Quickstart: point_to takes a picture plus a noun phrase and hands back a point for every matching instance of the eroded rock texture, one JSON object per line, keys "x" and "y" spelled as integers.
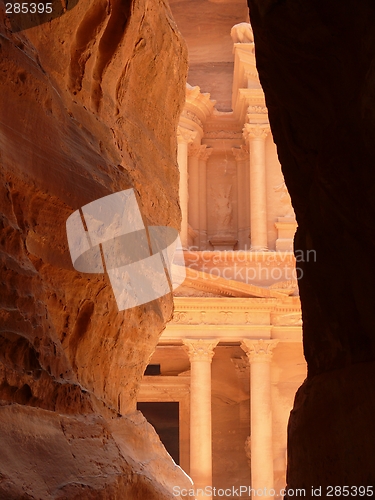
{"x": 89, "y": 106}
{"x": 316, "y": 61}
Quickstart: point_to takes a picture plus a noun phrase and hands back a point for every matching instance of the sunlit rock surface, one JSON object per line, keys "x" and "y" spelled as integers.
{"x": 89, "y": 105}
{"x": 316, "y": 64}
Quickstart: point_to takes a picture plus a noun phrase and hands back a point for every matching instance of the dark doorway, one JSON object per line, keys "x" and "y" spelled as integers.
{"x": 164, "y": 417}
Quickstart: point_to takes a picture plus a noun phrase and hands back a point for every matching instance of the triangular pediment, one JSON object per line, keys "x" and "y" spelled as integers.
{"x": 198, "y": 283}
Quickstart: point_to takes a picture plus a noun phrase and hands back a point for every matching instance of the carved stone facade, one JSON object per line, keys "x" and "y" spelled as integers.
{"x": 232, "y": 202}
{"x": 236, "y": 332}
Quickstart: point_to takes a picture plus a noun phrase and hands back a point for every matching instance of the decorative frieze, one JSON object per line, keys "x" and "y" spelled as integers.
{"x": 257, "y": 109}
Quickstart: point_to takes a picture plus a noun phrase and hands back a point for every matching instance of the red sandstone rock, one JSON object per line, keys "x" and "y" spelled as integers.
{"x": 315, "y": 61}
{"x": 89, "y": 105}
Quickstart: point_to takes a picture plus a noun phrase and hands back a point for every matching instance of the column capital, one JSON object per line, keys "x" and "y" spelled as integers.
{"x": 185, "y": 136}
{"x": 199, "y": 150}
{"x": 194, "y": 150}
{"x": 199, "y": 349}
{"x": 256, "y": 131}
{"x": 240, "y": 154}
{"x": 259, "y": 351}
{"x": 205, "y": 152}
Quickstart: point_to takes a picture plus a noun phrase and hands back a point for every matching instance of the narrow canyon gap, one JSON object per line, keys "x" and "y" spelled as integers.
{"x": 316, "y": 62}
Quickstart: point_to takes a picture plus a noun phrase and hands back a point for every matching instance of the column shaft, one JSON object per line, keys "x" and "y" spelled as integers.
{"x": 194, "y": 207}
{"x": 184, "y": 137}
{"x": 256, "y": 135}
{"x": 204, "y": 155}
{"x": 200, "y": 354}
{"x": 241, "y": 155}
{"x": 260, "y": 354}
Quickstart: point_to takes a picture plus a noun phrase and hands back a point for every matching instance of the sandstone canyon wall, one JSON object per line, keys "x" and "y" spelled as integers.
{"x": 316, "y": 63}
{"x": 89, "y": 104}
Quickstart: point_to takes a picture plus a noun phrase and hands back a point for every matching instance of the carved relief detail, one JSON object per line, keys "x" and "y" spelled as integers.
{"x": 241, "y": 364}
{"x": 223, "y": 207}
{"x": 179, "y": 317}
{"x": 242, "y": 33}
{"x": 226, "y": 316}
{"x": 257, "y": 109}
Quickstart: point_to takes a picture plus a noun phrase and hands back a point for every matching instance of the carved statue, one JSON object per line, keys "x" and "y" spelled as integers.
{"x": 242, "y": 33}
{"x": 224, "y": 210}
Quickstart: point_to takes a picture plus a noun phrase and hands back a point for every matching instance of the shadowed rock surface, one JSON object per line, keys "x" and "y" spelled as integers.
{"x": 89, "y": 106}
{"x": 316, "y": 63}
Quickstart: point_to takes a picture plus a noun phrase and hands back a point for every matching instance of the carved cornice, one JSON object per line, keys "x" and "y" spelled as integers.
{"x": 256, "y": 131}
{"x": 200, "y": 350}
{"x": 259, "y": 351}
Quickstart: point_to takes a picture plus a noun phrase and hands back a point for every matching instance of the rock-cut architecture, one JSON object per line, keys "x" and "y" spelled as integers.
{"x": 220, "y": 386}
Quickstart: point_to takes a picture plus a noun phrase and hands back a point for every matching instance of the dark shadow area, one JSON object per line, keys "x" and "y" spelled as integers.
{"x": 164, "y": 417}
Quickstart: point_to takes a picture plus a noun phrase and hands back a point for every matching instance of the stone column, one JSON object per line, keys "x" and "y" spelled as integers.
{"x": 184, "y": 137}
{"x": 200, "y": 354}
{"x": 193, "y": 209}
{"x": 203, "y": 157}
{"x": 256, "y": 135}
{"x": 259, "y": 353}
{"x": 241, "y": 155}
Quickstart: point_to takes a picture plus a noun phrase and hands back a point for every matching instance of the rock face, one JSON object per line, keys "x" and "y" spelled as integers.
{"x": 316, "y": 63}
{"x": 89, "y": 106}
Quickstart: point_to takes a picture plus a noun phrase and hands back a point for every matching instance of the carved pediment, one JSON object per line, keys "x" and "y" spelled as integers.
{"x": 200, "y": 284}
